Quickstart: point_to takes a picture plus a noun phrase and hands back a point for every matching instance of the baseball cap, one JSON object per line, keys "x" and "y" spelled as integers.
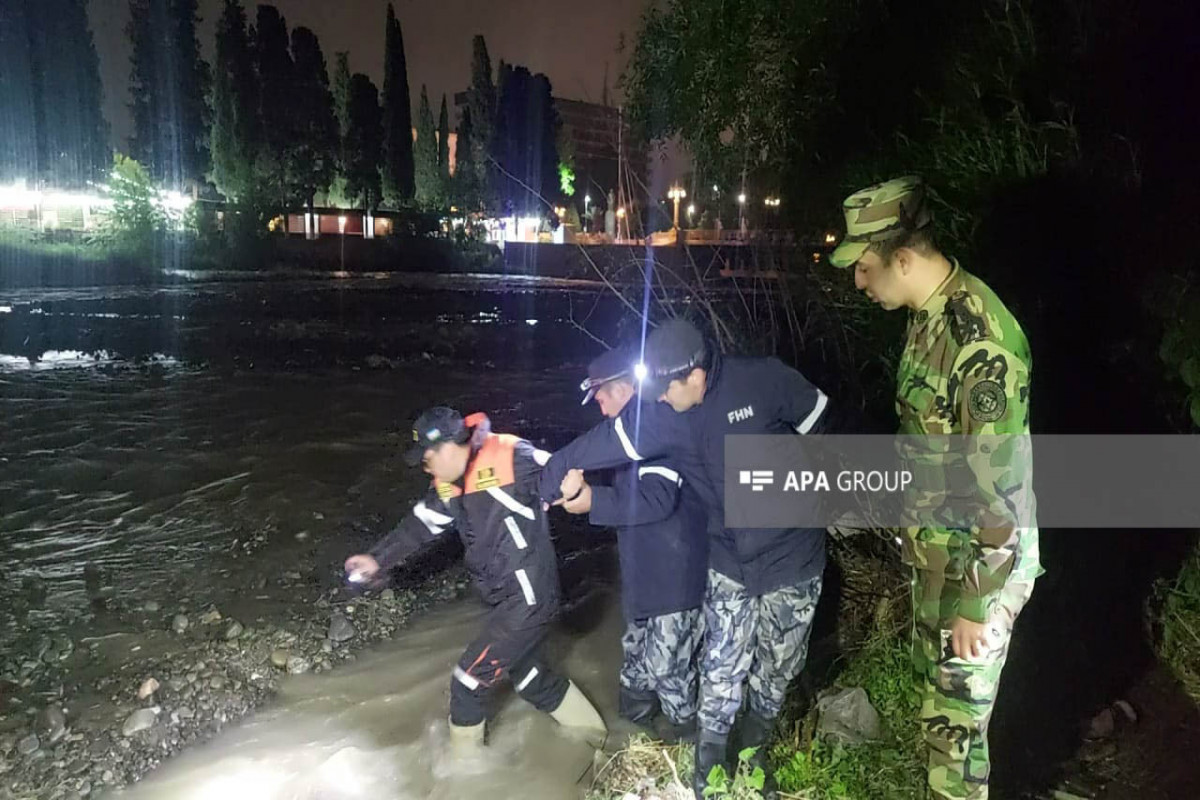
{"x": 435, "y": 426}
{"x": 673, "y": 350}
{"x": 608, "y": 366}
{"x": 878, "y": 213}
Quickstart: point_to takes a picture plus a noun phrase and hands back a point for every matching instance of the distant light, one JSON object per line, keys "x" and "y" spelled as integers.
{"x": 715, "y": 189}
{"x": 587, "y": 198}
{"x": 5, "y": 309}
{"x": 742, "y": 198}
{"x": 830, "y": 238}
{"x": 620, "y": 212}
{"x": 531, "y": 322}
{"x": 691, "y": 208}
{"x": 341, "y": 224}
{"x": 640, "y": 371}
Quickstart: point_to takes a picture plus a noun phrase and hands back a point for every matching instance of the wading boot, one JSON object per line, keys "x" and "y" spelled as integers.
{"x": 640, "y": 708}
{"x": 465, "y": 740}
{"x": 675, "y": 732}
{"x": 711, "y": 749}
{"x": 577, "y": 712}
{"x": 756, "y": 732}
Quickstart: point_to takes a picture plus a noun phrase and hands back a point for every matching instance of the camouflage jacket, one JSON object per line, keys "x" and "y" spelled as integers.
{"x": 966, "y": 370}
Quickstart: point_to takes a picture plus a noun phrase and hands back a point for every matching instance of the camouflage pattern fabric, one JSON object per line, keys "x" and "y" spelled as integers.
{"x": 760, "y": 641}
{"x": 966, "y": 369}
{"x": 878, "y": 213}
{"x": 661, "y": 655}
{"x": 958, "y": 695}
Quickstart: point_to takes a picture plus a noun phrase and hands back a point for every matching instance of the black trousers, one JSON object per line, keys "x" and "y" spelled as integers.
{"x": 508, "y": 649}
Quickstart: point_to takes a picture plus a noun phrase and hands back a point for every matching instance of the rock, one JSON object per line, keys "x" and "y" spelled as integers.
{"x": 387, "y": 595}
{"x": 217, "y": 682}
{"x": 848, "y": 716}
{"x": 177, "y": 684}
{"x": 302, "y": 536}
{"x": 29, "y": 745}
{"x": 1125, "y": 708}
{"x": 318, "y": 516}
{"x": 140, "y": 720}
{"x": 340, "y": 629}
{"x": 234, "y": 630}
{"x": 1102, "y": 725}
{"x": 297, "y": 665}
{"x": 151, "y": 606}
{"x": 108, "y": 776}
{"x": 326, "y": 646}
{"x": 280, "y": 657}
{"x": 51, "y": 724}
{"x": 180, "y": 623}
{"x": 64, "y": 647}
{"x": 85, "y": 788}
{"x": 148, "y": 687}
{"x": 183, "y": 712}
{"x": 210, "y": 617}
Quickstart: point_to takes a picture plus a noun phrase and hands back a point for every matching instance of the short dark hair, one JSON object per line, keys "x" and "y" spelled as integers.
{"x": 920, "y": 240}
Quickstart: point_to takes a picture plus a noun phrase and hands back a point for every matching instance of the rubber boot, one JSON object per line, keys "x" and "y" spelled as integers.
{"x": 576, "y": 711}
{"x": 675, "y": 732}
{"x": 711, "y": 749}
{"x": 465, "y": 740}
{"x": 756, "y": 732}
{"x": 640, "y": 708}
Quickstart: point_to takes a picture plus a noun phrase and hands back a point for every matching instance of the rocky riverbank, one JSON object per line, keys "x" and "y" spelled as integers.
{"x": 81, "y": 715}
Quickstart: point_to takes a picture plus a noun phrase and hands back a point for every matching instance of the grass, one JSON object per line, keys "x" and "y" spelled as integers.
{"x": 1179, "y": 622}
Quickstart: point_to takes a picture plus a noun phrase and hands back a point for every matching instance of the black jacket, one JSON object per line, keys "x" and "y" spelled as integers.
{"x": 661, "y": 539}
{"x": 743, "y": 396}
{"x": 496, "y": 511}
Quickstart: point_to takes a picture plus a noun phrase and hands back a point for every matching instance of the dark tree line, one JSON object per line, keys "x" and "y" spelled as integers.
{"x": 52, "y": 129}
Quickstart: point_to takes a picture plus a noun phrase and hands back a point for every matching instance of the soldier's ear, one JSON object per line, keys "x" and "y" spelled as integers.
{"x": 903, "y": 260}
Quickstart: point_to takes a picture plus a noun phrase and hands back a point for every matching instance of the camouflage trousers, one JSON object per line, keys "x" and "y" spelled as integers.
{"x": 660, "y": 657}
{"x": 758, "y": 641}
{"x": 958, "y": 695}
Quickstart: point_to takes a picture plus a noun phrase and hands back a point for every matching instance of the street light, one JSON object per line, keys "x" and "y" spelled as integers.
{"x": 342, "y": 231}
{"x": 771, "y": 202}
{"x": 587, "y": 201}
{"x": 677, "y": 193}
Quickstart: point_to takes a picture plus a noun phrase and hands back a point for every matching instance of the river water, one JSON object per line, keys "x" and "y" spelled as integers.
{"x": 169, "y": 446}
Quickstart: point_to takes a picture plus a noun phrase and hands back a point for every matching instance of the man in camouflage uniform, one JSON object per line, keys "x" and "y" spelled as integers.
{"x": 965, "y": 370}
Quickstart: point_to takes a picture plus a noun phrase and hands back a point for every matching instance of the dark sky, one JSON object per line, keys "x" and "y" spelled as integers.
{"x": 569, "y": 41}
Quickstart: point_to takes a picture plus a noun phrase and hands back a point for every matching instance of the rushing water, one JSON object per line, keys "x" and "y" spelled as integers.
{"x": 155, "y": 433}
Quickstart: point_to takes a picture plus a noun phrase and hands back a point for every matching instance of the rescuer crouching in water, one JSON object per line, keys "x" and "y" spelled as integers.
{"x": 485, "y": 489}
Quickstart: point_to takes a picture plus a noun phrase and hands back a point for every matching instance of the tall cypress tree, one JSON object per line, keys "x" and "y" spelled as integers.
{"x": 277, "y": 101}
{"x": 443, "y": 158}
{"x": 364, "y": 142}
{"x": 425, "y": 155}
{"x": 312, "y": 159}
{"x": 72, "y": 136}
{"x": 481, "y": 100}
{"x": 168, "y": 84}
{"x": 235, "y": 127}
{"x": 18, "y": 102}
{"x": 463, "y": 189}
{"x": 398, "y": 170}
{"x": 341, "y": 112}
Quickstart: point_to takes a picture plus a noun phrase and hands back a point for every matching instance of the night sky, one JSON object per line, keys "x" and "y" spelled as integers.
{"x": 570, "y": 42}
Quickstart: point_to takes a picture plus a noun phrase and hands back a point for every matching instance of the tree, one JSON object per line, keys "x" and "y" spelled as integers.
{"x": 312, "y": 160}
{"x": 443, "y": 157}
{"x": 526, "y": 133}
{"x": 168, "y": 85}
{"x": 364, "y": 143}
{"x": 137, "y": 218}
{"x": 234, "y": 131}
{"x": 398, "y": 174}
{"x": 278, "y": 103}
{"x": 481, "y": 102}
{"x": 50, "y": 87}
{"x": 464, "y": 188}
{"x": 425, "y": 155}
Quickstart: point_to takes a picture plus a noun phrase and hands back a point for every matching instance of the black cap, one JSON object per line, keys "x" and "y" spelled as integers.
{"x": 435, "y": 426}
{"x": 673, "y": 350}
{"x": 608, "y": 366}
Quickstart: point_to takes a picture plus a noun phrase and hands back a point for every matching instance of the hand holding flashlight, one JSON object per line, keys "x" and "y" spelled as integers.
{"x": 361, "y": 568}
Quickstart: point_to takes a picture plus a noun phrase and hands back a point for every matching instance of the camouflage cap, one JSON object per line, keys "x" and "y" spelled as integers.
{"x": 879, "y": 213}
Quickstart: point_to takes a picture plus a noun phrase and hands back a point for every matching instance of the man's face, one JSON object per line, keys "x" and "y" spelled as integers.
{"x": 612, "y": 397}
{"x": 685, "y": 393}
{"x": 883, "y": 283}
{"x": 446, "y": 462}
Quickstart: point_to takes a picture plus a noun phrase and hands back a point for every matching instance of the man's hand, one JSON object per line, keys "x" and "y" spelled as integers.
{"x": 361, "y": 568}
{"x": 581, "y": 504}
{"x": 970, "y": 640}
{"x": 572, "y": 483}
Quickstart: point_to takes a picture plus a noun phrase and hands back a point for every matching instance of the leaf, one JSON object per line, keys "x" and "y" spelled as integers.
{"x": 747, "y": 754}
{"x": 1190, "y": 372}
{"x": 757, "y": 779}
